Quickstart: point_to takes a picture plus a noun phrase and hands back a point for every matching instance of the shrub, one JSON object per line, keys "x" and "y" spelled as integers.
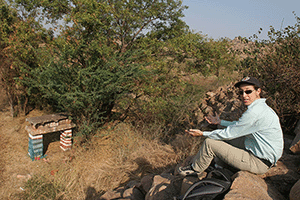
{"x": 276, "y": 62}
{"x": 19, "y": 41}
{"x": 87, "y": 92}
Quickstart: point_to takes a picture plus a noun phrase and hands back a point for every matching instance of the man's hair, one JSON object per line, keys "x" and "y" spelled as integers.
{"x": 256, "y": 87}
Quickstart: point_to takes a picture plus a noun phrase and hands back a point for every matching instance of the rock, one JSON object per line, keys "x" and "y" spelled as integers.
{"x": 295, "y": 191}
{"x": 279, "y": 169}
{"x": 297, "y": 129}
{"x": 146, "y": 183}
{"x": 249, "y": 186}
{"x": 128, "y": 193}
{"x": 133, "y": 193}
{"x": 138, "y": 194}
{"x": 283, "y": 176}
{"x": 224, "y": 101}
{"x": 116, "y": 194}
{"x": 210, "y": 94}
{"x": 295, "y": 146}
{"x": 26, "y": 177}
{"x": 164, "y": 186}
{"x": 222, "y": 96}
{"x": 283, "y": 183}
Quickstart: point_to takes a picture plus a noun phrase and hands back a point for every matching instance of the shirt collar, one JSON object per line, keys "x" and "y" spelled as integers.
{"x": 257, "y": 101}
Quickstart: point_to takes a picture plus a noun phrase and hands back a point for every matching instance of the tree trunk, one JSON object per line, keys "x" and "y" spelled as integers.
{"x": 11, "y": 103}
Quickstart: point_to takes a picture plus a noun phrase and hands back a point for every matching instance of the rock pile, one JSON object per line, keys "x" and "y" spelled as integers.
{"x": 282, "y": 182}
{"x": 224, "y": 101}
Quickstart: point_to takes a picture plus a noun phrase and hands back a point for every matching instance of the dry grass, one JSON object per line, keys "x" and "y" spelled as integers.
{"x": 112, "y": 158}
{"x": 121, "y": 156}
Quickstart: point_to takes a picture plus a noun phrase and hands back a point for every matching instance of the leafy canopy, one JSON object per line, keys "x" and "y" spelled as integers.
{"x": 119, "y": 58}
{"x": 19, "y": 40}
{"x": 100, "y": 55}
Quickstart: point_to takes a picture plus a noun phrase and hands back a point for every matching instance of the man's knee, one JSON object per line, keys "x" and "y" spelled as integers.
{"x": 215, "y": 146}
{"x": 209, "y": 145}
{"x": 209, "y": 142}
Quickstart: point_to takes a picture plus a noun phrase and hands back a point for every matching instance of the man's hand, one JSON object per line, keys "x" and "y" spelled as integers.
{"x": 194, "y": 132}
{"x": 213, "y": 120}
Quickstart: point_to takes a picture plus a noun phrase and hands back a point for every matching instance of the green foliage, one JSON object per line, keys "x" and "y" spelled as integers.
{"x": 201, "y": 54}
{"x": 170, "y": 96}
{"x": 130, "y": 59}
{"x": 276, "y": 62}
{"x": 120, "y": 22}
{"x": 19, "y": 40}
{"x": 166, "y": 109}
{"x": 103, "y": 55}
{"x": 88, "y": 92}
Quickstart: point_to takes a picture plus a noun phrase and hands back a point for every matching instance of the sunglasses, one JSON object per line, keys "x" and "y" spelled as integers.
{"x": 241, "y": 92}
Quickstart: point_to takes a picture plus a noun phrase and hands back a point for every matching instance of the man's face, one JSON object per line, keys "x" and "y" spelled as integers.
{"x": 249, "y": 94}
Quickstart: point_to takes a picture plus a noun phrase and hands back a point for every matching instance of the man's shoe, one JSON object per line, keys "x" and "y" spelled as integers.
{"x": 187, "y": 171}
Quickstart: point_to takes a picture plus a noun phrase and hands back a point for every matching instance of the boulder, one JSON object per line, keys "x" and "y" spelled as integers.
{"x": 146, "y": 183}
{"x": 164, "y": 186}
{"x": 224, "y": 101}
{"x": 249, "y": 186}
{"x": 284, "y": 175}
{"x": 130, "y": 191}
{"x": 295, "y": 191}
{"x": 112, "y": 194}
{"x": 133, "y": 193}
{"x": 295, "y": 146}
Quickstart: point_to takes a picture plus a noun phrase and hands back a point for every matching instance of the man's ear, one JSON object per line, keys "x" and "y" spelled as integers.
{"x": 259, "y": 91}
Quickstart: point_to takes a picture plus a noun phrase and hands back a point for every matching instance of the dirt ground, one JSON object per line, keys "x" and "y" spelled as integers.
{"x": 16, "y": 167}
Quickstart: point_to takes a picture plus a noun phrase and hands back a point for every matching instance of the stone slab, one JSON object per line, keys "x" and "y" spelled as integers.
{"x": 44, "y": 129}
{"x": 41, "y": 120}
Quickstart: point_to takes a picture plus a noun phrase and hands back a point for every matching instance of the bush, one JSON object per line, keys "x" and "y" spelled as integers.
{"x": 20, "y": 40}
{"x": 167, "y": 99}
{"x": 276, "y": 62}
{"x": 87, "y": 92}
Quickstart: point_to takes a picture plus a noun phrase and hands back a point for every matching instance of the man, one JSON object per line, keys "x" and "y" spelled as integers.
{"x": 254, "y": 143}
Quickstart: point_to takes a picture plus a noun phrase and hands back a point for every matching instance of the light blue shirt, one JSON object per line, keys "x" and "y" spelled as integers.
{"x": 261, "y": 127}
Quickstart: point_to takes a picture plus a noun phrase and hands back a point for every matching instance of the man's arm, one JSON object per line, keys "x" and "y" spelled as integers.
{"x": 217, "y": 121}
{"x": 244, "y": 126}
{"x": 194, "y": 132}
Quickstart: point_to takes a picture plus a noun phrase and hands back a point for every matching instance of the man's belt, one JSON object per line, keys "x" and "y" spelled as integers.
{"x": 268, "y": 163}
{"x": 265, "y": 161}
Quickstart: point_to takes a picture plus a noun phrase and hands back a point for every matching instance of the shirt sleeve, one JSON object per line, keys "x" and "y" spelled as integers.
{"x": 237, "y": 129}
{"x": 227, "y": 123}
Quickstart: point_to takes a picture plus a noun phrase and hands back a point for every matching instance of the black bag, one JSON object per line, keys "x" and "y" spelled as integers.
{"x": 214, "y": 186}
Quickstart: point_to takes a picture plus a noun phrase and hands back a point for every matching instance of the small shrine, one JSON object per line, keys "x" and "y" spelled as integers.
{"x": 41, "y": 125}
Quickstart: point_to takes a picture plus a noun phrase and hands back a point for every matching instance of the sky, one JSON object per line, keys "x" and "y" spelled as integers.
{"x": 231, "y": 18}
